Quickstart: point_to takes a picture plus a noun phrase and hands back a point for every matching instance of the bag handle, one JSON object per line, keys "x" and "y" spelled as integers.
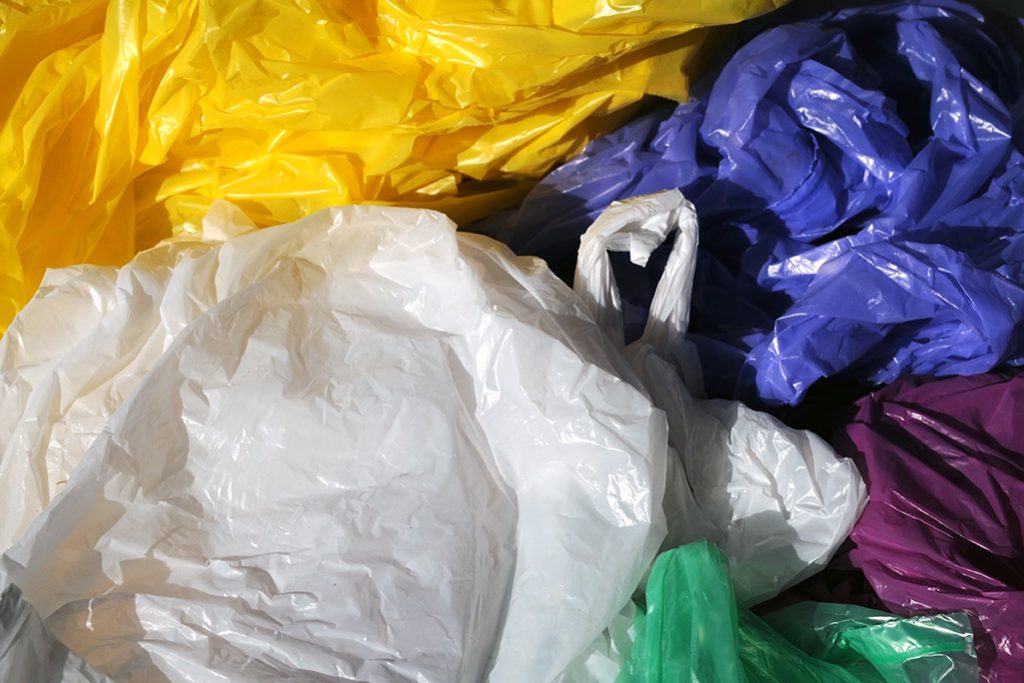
{"x": 640, "y": 225}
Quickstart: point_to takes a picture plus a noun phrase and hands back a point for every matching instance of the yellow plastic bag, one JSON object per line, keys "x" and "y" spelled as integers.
{"x": 122, "y": 120}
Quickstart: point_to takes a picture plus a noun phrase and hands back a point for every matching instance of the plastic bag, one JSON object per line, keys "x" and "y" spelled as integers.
{"x": 693, "y": 630}
{"x": 944, "y": 462}
{"x": 121, "y": 120}
{"x": 776, "y": 500}
{"x": 860, "y": 183}
{"x": 357, "y": 446}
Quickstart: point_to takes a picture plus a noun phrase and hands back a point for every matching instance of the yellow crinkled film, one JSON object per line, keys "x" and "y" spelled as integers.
{"x": 122, "y": 120}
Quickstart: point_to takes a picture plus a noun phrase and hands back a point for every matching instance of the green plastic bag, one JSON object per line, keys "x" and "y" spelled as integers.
{"x": 694, "y": 630}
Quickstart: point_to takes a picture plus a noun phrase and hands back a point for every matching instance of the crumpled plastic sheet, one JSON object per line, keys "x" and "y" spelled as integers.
{"x": 860, "y": 184}
{"x": 776, "y": 500}
{"x": 164, "y": 416}
{"x": 693, "y": 630}
{"x": 358, "y": 446}
{"x": 120, "y": 120}
{"x": 29, "y": 652}
{"x": 944, "y": 461}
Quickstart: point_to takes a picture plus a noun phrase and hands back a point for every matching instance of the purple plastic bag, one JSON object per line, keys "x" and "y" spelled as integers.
{"x": 944, "y": 462}
{"x": 860, "y": 184}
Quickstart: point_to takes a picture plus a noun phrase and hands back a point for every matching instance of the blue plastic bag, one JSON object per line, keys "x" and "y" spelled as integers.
{"x": 860, "y": 183}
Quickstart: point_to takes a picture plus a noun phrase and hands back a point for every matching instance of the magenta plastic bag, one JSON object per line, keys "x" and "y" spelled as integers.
{"x": 944, "y": 462}
{"x": 860, "y": 185}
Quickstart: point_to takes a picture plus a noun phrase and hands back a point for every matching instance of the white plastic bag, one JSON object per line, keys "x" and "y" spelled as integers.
{"x": 356, "y": 447}
{"x": 87, "y": 339}
{"x": 151, "y": 565}
{"x": 777, "y": 501}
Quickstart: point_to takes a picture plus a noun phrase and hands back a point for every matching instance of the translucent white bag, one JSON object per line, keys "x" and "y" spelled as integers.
{"x": 363, "y": 446}
{"x": 355, "y": 447}
{"x": 777, "y": 501}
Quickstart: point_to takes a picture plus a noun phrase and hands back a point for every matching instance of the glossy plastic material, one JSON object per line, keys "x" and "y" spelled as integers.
{"x": 693, "y": 630}
{"x": 358, "y": 446}
{"x": 776, "y": 500}
{"x": 860, "y": 184}
{"x": 120, "y": 120}
{"x": 215, "y": 397}
{"x": 942, "y": 530}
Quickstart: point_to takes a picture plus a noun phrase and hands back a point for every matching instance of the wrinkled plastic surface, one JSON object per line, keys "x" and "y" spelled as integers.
{"x": 860, "y": 184}
{"x": 357, "y": 446}
{"x": 29, "y": 652}
{"x": 944, "y": 462}
{"x": 776, "y": 500}
{"x": 175, "y": 339}
{"x": 693, "y": 630}
{"x": 120, "y": 120}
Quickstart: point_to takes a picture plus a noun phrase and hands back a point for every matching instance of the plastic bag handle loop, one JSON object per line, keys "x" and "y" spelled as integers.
{"x": 639, "y": 227}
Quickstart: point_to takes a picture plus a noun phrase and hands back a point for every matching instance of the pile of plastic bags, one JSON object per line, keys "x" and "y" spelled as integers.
{"x": 675, "y": 640}
{"x": 880, "y": 146}
{"x": 267, "y": 414}
{"x": 461, "y": 406}
{"x": 945, "y": 466}
{"x": 121, "y": 121}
